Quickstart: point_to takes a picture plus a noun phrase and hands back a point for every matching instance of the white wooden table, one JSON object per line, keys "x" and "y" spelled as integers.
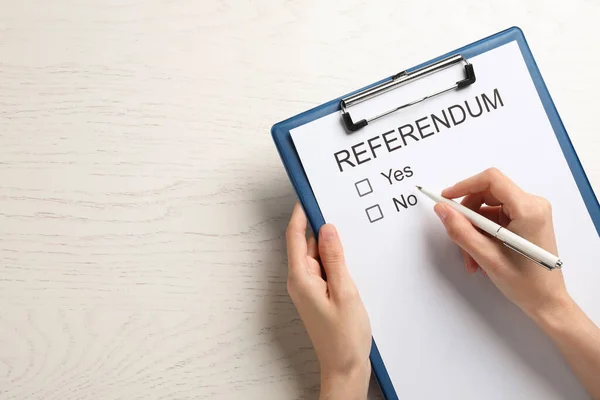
{"x": 143, "y": 203}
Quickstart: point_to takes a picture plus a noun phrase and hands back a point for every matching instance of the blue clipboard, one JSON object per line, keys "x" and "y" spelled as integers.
{"x": 285, "y": 147}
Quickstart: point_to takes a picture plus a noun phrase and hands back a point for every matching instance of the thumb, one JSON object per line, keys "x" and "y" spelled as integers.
{"x": 482, "y": 248}
{"x": 331, "y": 253}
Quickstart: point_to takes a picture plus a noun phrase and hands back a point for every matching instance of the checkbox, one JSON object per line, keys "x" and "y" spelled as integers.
{"x": 363, "y": 187}
{"x": 374, "y": 213}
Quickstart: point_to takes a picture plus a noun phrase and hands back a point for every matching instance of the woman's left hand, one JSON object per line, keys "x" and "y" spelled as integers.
{"x": 331, "y": 310}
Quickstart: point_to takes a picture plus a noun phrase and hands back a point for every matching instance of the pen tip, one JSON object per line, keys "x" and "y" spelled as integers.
{"x": 418, "y": 187}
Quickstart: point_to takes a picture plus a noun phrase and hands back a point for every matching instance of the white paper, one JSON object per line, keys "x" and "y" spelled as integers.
{"x": 441, "y": 332}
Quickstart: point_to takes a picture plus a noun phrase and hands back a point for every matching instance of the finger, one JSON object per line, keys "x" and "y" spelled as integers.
{"x": 332, "y": 258}
{"x": 313, "y": 249}
{"x": 313, "y": 265}
{"x": 476, "y": 200}
{"x": 494, "y": 181}
{"x": 296, "y": 242}
{"x": 481, "y": 248}
{"x": 494, "y": 214}
{"x": 473, "y": 201}
{"x": 491, "y": 213}
{"x": 471, "y": 265}
{"x": 503, "y": 219}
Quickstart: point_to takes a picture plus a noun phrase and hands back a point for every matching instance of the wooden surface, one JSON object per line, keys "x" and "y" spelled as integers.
{"x": 143, "y": 203}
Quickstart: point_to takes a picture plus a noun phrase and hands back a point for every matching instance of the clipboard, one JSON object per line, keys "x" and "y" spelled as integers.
{"x": 343, "y": 105}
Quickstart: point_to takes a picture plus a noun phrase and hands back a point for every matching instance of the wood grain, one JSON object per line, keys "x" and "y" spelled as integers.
{"x": 143, "y": 203}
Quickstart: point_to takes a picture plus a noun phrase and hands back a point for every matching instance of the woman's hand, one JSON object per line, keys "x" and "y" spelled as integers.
{"x": 534, "y": 289}
{"x": 541, "y": 294}
{"x": 331, "y": 310}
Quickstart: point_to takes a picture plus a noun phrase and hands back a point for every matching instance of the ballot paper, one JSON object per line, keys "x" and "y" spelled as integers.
{"x": 443, "y": 333}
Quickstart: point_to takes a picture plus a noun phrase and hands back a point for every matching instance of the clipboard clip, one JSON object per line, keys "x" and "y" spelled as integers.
{"x": 401, "y": 79}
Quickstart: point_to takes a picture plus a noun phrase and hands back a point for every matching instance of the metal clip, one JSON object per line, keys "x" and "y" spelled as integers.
{"x": 543, "y": 264}
{"x": 401, "y": 79}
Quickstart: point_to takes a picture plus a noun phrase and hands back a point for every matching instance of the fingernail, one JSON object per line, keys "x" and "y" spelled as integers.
{"x": 328, "y": 231}
{"x": 441, "y": 211}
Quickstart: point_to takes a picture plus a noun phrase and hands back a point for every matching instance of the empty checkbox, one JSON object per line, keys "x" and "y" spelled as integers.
{"x": 363, "y": 187}
{"x": 374, "y": 213}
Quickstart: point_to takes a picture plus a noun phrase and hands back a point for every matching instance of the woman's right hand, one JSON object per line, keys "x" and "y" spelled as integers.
{"x": 534, "y": 289}
{"x": 540, "y": 293}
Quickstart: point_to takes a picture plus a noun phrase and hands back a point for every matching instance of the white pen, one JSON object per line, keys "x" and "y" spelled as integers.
{"x": 510, "y": 240}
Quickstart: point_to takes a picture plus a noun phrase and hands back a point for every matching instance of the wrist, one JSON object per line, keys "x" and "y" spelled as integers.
{"x": 556, "y": 315}
{"x": 349, "y": 384}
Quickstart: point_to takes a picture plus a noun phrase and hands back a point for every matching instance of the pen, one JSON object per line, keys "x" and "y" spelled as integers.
{"x": 510, "y": 239}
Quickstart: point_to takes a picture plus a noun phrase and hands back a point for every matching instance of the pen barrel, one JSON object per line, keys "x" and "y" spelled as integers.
{"x": 528, "y": 249}
{"x": 476, "y": 219}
